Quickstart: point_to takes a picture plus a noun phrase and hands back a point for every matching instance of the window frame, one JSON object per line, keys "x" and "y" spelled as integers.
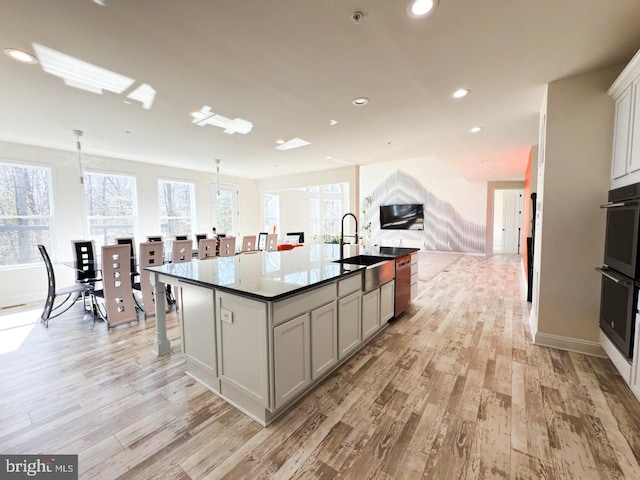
{"x": 50, "y": 177}
{"x": 88, "y": 217}
{"x": 192, "y": 208}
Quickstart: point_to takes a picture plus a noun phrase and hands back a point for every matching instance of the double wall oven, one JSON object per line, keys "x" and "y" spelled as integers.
{"x": 621, "y": 269}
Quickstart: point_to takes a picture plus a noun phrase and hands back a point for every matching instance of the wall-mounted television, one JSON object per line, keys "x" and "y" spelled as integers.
{"x": 406, "y": 216}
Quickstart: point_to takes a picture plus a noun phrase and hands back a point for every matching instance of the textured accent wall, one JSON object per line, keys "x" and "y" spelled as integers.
{"x": 444, "y": 228}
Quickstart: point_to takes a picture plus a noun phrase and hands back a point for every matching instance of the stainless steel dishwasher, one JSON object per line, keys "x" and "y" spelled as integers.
{"x": 403, "y": 284}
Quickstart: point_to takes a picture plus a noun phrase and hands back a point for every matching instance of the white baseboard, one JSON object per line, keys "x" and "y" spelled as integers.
{"x": 570, "y": 344}
{"x": 22, "y": 299}
{"x": 622, "y": 364}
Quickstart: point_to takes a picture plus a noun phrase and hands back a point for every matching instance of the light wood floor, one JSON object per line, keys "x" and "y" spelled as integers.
{"x": 454, "y": 389}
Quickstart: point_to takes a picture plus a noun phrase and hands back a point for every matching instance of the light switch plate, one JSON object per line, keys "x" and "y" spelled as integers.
{"x": 226, "y": 315}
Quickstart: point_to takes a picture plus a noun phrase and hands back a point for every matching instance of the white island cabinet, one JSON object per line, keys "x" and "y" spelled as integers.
{"x": 259, "y": 337}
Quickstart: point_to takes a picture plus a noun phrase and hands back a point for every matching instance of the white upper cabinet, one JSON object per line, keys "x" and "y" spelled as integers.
{"x": 626, "y": 131}
{"x": 620, "y": 163}
{"x": 634, "y": 129}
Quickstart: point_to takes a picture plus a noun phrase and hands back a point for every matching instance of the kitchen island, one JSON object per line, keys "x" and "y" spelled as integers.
{"x": 260, "y": 329}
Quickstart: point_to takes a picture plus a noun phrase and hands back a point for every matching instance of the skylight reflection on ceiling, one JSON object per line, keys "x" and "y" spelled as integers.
{"x": 206, "y": 117}
{"x": 91, "y": 78}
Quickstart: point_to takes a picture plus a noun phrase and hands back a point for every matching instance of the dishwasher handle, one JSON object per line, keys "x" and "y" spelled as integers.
{"x": 402, "y": 262}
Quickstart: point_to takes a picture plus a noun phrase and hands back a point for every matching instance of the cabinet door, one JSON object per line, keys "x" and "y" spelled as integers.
{"x": 291, "y": 344}
{"x": 241, "y": 328}
{"x": 370, "y": 313}
{"x": 387, "y": 301}
{"x": 621, "y": 132}
{"x": 634, "y": 143}
{"x": 349, "y": 314}
{"x": 198, "y": 332}
{"x": 324, "y": 339}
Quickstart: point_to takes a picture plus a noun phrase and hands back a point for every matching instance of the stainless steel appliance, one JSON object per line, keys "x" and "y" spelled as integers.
{"x": 621, "y": 269}
{"x": 403, "y": 284}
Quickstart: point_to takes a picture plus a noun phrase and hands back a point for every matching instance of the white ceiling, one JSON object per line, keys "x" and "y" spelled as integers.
{"x": 289, "y": 66}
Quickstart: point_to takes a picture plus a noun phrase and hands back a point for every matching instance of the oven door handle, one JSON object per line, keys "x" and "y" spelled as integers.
{"x": 619, "y": 204}
{"x": 611, "y": 277}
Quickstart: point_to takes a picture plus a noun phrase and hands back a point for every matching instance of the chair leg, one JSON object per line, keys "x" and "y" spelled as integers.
{"x": 55, "y": 309}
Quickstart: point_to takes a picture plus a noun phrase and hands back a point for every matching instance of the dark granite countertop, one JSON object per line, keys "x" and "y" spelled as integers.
{"x": 274, "y": 275}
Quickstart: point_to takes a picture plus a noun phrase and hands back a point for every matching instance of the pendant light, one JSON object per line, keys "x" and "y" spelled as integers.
{"x": 78, "y": 134}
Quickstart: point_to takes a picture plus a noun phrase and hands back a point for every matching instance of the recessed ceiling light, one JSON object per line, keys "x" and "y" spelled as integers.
{"x": 461, "y": 92}
{"x": 332, "y": 122}
{"x": 280, "y": 141}
{"x": 20, "y": 55}
{"x": 360, "y": 101}
{"x": 420, "y": 8}
{"x": 475, "y": 129}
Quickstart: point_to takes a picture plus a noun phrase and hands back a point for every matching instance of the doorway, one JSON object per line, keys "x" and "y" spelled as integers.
{"x": 507, "y": 221}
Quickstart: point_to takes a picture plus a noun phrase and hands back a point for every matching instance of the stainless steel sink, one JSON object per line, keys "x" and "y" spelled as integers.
{"x": 378, "y": 271}
{"x": 363, "y": 260}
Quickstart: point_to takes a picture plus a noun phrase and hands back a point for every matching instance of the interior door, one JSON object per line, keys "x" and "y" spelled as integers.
{"x": 511, "y": 220}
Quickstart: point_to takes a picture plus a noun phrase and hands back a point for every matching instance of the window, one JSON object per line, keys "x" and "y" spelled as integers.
{"x": 224, "y": 199}
{"x": 110, "y": 203}
{"x": 25, "y": 213}
{"x": 271, "y": 211}
{"x": 327, "y": 204}
{"x": 177, "y": 209}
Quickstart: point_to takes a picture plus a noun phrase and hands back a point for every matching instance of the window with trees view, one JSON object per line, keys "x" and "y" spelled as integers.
{"x": 224, "y": 201}
{"x": 110, "y": 205}
{"x": 176, "y": 208}
{"x": 25, "y": 213}
{"x": 271, "y": 211}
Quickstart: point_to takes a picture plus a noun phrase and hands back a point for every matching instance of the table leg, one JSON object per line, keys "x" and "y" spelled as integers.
{"x": 162, "y": 344}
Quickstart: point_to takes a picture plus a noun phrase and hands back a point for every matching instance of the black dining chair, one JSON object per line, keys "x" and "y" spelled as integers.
{"x": 72, "y": 292}
{"x": 85, "y": 260}
{"x": 135, "y": 275}
{"x": 154, "y": 239}
{"x": 181, "y": 237}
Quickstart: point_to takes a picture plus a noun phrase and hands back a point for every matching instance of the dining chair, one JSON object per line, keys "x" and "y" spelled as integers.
{"x": 72, "y": 292}
{"x": 181, "y": 237}
{"x": 248, "y": 243}
{"x": 157, "y": 238}
{"x": 151, "y": 255}
{"x": 135, "y": 285}
{"x": 207, "y": 248}
{"x": 227, "y": 246}
{"x": 181, "y": 251}
{"x": 117, "y": 294}
{"x": 85, "y": 261}
{"x": 200, "y": 236}
{"x": 272, "y": 242}
{"x": 262, "y": 241}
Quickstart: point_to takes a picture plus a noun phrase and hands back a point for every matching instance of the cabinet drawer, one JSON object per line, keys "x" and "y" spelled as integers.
{"x": 414, "y": 278}
{"x": 350, "y": 285}
{"x": 303, "y": 302}
{"x": 414, "y": 264}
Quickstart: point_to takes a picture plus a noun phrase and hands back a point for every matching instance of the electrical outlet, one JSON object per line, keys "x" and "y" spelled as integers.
{"x": 226, "y": 315}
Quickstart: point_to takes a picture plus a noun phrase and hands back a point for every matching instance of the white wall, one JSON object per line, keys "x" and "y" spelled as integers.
{"x": 454, "y": 207}
{"x": 572, "y": 182}
{"x": 468, "y": 198}
{"x": 25, "y": 284}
